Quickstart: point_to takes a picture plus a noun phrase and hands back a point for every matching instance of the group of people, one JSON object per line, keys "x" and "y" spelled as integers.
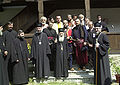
{"x": 54, "y": 44}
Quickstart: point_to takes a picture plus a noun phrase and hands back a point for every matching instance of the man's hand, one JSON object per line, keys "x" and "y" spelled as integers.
{"x": 28, "y": 59}
{"x": 75, "y": 44}
{"x": 17, "y": 61}
{"x": 5, "y": 53}
{"x": 90, "y": 45}
{"x": 85, "y": 43}
{"x": 97, "y": 45}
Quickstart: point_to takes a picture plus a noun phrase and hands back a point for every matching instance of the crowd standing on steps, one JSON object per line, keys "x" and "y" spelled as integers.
{"x": 57, "y": 45}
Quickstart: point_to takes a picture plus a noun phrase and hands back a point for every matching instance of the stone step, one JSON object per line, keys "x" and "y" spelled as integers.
{"x": 75, "y": 76}
{"x": 75, "y": 72}
{"x": 84, "y": 79}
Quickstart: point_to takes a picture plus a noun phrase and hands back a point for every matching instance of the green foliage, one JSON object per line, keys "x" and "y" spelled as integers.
{"x": 29, "y": 48}
{"x": 59, "y": 83}
{"x": 114, "y": 65}
{"x": 109, "y": 50}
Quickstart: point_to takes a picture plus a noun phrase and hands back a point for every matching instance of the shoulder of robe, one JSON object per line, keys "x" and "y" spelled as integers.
{"x": 45, "y": 29}
{"x": 103, "y": 33}
{"x": 5, "y": 32}
{"x": 14, "y": 31}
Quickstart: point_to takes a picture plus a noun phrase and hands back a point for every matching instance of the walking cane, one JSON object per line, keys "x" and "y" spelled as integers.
{"x": 96, "y": 61}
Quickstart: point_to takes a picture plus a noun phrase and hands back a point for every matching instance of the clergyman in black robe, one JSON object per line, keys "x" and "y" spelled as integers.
{"x": 102, "y": 67}
{"x": 20, "y": 68}
{"x": 52, "y": 35}
{"x": 3, "y": 53}
{"x": 62, "y": 55}
{"x": 91, "y": 39}
{"x": 8, "y": 37}
{"x": 39, "y": 52}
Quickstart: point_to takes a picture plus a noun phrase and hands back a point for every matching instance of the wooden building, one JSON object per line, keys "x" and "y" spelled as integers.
{"x": 32, "y": 10}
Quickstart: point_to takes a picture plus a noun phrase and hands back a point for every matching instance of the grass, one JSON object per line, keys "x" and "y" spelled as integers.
{"x": 59, "y": 83}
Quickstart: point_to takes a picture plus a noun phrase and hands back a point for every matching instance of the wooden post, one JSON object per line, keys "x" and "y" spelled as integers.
{"x": 87, "y": 8}
{"x": 40, "y": 8}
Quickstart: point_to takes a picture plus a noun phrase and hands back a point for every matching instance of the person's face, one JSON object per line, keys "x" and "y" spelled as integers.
{"x": 99, "y": 18}
{"x": 77, "y": 22}
{"x": 81, "y": 17}
{"x": 87, "y": 20}
{"x": 90, "y": 25}
{"x": 75, "y": 17}
{"x": 98, "y": 29}
{"x": 61, "y": 34}
{"x": 65, "y": 23}
{"x": 10, "y": 26}
{"x": 43, "y": 21}
{"x": 39, "y": 29}
{"x": 50, "y": 25}
{"x": 52, "y": 20}
{"x": 58, "y": 19}
{"x": 69, "y": 17}
{"x": 1, "y": 28}
{"x": 21, "y": 34}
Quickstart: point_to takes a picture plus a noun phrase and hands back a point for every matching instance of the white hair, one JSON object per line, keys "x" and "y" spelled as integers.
{"x": 43, "y": 18}
{"x": 81, "y": 15}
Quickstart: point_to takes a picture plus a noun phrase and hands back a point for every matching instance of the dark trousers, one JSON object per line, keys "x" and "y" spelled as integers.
{"x": 70, "y": 54}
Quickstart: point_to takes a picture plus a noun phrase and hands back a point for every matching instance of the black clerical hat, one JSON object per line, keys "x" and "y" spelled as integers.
{"x": 39, "y": 25}
{"x": 20, "y": 31}
{"x": 61, "y": 29}
{"x": 97, "y": 25}
{"x": 0, "y": 24}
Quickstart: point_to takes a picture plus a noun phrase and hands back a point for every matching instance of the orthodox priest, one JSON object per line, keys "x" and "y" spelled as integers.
{"x": 39, "y": 52}
{"x": 20, "y": 68}
{"x": 9, "y": 37}
{"x": 91, "y": 39}
{"x": 79, "y": 35}
{"x": 52, "y": 36}
{"x": 102, "y": 66}
{"x": 62, "y": 55}
{"x": 3, "y": 53}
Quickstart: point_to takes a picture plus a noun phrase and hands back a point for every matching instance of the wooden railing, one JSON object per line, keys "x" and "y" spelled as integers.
{"x": 114, "y": 39}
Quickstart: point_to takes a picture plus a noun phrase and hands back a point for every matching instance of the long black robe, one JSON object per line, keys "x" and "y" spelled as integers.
{"x": 61, "y": 59}
{"x": 91, "y": 39}
{"x": 103, "y": 67}
{"x": 8, "y": 37}
{"x": 20, "y": 69}
{"x": 39, "y": 52}
{"x": 3, "y": 71}
{"x": 51, "y": 33}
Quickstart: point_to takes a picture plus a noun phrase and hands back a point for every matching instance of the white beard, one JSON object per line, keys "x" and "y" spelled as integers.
{"x": 61, "y": 39}
{"x": 1, "y": 33}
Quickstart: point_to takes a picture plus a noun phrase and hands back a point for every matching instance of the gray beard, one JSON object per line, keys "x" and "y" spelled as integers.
{"x": 61, "y": 39}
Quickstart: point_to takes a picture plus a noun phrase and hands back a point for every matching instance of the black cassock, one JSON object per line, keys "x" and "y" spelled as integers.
{"x": 20, "y": 69}
{"x": 39, "y": 52}
{"x": 62, "y": 55}
{"x": 3, "y": 71}
{"x": 103, "y": 67}
{"x": 91, "y": 39}
{"x": 52, "y": 35}
{"x": 8, "y": 37}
